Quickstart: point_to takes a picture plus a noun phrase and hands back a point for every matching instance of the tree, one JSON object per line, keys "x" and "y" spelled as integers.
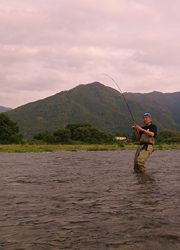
{"x": 74, "y": 126}
{"x": 45, "y": 136}
{"x": 91, "y": 135}
{"x": 62, "y": 135}
{"x": 9, "y": 130}
{"x": 168, "y": 136}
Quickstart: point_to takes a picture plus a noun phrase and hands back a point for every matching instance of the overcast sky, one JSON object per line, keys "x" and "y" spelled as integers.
{"x": 47, "y": 46}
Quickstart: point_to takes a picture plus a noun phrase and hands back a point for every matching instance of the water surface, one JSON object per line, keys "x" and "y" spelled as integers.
{"x": 89, "y": 200}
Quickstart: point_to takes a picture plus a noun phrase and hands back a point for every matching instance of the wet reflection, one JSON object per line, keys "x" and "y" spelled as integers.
{"x": 147, "y": 188}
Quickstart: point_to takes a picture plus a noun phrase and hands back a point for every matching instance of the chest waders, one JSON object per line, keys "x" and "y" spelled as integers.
{"x": 143, "y": 152}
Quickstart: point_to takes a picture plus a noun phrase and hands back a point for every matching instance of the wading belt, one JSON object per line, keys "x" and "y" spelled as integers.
{"x": 145, "y": 145}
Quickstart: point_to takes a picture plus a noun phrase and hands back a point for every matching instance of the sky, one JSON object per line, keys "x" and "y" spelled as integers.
{"x": 49, "y": 46}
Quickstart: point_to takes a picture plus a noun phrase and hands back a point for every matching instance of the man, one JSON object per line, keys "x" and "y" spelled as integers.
{"x": 146, "y": 135}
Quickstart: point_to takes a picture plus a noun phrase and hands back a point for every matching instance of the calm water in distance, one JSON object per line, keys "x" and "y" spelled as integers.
{"x": 89, "y": 200}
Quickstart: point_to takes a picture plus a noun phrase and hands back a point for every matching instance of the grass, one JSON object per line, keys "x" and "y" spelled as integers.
{"x": 52, "y": 148}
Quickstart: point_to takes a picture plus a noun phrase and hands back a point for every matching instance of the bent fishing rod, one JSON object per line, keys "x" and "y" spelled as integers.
{"x": 122, "y": 95}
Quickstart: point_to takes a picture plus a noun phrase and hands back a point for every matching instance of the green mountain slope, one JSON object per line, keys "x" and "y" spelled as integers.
{"x": 101, "y": 106}
{"x": 167, "y": 104}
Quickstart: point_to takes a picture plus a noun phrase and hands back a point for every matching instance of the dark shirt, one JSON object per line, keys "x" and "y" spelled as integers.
{"x": 151, "y": 128}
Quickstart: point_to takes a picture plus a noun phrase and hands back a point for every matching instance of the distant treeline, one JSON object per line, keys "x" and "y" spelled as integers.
{"x": 168, "y": 136}
{"x": 84, "y": 132}
{"x": 74, "y": 133}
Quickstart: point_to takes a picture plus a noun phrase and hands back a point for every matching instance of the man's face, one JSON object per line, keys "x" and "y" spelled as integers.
{"x": 147, "y": 120}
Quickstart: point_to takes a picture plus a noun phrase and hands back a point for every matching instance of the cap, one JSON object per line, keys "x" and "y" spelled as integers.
{"x": 147, "y": 114}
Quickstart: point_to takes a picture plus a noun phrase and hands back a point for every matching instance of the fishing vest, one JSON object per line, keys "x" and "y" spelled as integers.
{"x": 147, "y": 139}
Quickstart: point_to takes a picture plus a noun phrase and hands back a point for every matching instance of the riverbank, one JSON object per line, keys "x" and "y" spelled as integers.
{"x": 51, "y": 148}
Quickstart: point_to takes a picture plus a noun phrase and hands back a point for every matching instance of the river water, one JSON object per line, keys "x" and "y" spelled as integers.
{"x": 89, "y": 200}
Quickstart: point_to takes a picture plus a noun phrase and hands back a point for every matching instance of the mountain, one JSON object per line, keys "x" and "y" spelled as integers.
{"x": 101, "y": 106}
{"x": 3, "y": 109}
{"x": 168, "y": 103}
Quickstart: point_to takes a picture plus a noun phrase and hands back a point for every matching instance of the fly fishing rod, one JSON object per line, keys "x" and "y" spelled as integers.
{"x": 122, "y": 95}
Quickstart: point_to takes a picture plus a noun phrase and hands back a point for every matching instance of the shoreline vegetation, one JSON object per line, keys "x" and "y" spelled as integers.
{"x": 37, "y": 148}
{"x": 77, "y": 137}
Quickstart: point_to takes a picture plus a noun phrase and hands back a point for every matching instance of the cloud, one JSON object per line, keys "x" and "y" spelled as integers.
{"x": 50, "y": 46}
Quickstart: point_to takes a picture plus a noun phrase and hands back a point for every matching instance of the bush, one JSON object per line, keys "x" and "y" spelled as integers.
{"x": 120, "y": 144}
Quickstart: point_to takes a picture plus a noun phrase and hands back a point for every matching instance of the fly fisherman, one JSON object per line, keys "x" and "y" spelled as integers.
{"x": 146, "y": 135}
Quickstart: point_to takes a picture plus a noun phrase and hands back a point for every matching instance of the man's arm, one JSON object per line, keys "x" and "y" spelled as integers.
{"x": 138, "y": 128}
{"x": 137, "y": 134}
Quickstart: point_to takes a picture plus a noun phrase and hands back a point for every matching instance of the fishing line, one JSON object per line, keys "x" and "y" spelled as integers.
{"x": 121, "y": 94}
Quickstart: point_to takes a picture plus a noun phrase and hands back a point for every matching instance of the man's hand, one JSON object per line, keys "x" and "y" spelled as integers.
{"x": 137, "y": 126}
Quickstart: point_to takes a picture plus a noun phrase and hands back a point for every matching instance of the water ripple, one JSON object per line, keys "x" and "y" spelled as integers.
{"x": 89, "y": 200}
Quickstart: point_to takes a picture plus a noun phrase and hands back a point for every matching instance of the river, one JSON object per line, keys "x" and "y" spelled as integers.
{"x": 89, "y": 201}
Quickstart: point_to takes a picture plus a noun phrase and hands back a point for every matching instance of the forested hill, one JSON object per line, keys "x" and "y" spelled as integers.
{"x": 101, "y": 106}
{"x": 168, "y": 103}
